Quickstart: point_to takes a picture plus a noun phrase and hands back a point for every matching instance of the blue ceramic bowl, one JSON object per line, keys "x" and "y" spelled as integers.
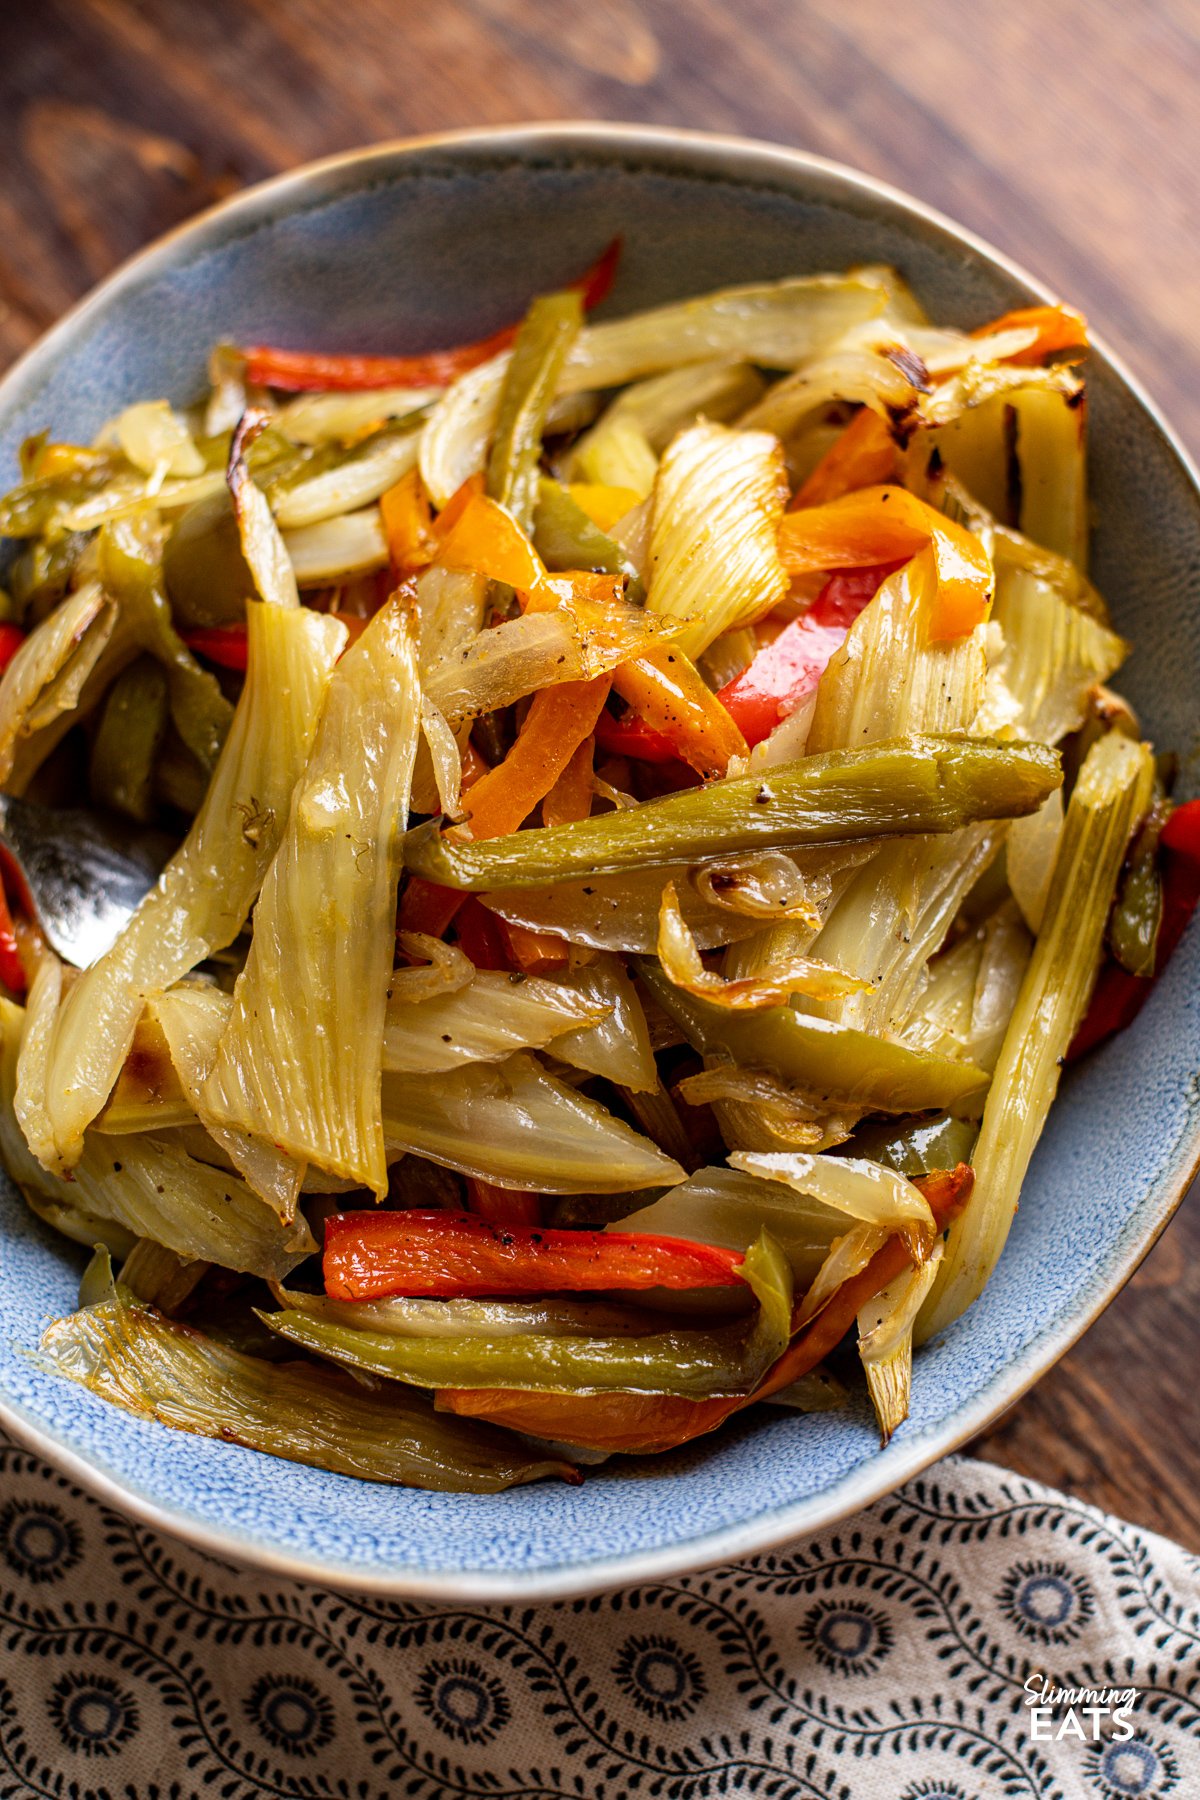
{"x": 426, "y": 243}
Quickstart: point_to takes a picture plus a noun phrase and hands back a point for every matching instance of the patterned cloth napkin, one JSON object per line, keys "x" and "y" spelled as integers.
{"x": 886, "y": 1659}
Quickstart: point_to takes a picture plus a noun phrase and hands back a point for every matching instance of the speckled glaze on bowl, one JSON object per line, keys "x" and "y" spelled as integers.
{"x": 420, "y": 244}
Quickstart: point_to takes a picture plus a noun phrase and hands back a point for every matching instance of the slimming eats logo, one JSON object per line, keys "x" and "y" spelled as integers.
{"x": 1088, "y": 1714}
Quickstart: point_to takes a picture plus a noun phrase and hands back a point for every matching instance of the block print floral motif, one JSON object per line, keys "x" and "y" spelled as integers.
{"x": 884, "y": 1660}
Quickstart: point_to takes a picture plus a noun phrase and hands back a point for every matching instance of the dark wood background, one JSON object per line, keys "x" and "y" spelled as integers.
{"x": 1066, "y": 134}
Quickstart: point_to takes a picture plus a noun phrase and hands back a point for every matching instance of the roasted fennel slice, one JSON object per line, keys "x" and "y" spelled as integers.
{"x": 308, "y": 1413}
{"x": 1054, "y": 653}
{"x": 1110, "y": 796}
{"x": 207, "y": 889}
{"x": 485, "y": 1021}
{"x": 714, "y": 561}
{"x": 50, "y": 675}
{"x": 890, "y": 677}
{"x": 299, "y": 1061}
{"x": 192, "y": 1017}
{"x": 515, "y": 1125}
{"x": 151, "y": 1187}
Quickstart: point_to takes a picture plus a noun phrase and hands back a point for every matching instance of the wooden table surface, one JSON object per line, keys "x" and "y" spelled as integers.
{"x": 1066, "y": 134}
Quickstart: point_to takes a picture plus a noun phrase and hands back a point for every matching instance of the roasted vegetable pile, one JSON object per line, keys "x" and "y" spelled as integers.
{"x": 652, "y": 823}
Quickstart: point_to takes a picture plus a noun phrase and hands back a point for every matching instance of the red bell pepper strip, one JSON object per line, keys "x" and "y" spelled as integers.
{"x": 786, "y": 671}
{"x": 780, "y": 678}
{"x": 1118, "y": 996}
{"x": 426, "y": 907}
{"x": 226, "y": 645}
{"x": 303, "y": 370}
{"x": 12, "y": 969}
{"x": 644, "y": 1423}
{"x": 11, "y": 639}
{"x": 369, "y": 1255}
{"x": 479, "y": 934}
{"x": 631, "y": 736}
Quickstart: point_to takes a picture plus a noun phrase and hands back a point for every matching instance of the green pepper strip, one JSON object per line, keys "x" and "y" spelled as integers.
{"x": 1137, "y": 912}
{"x": 913, "y": 1146}
{"x": 819, "y": 1055}
{"x": 133, "y": 576}
{"x": 126, "y": 747}
{"x": 565, "y": 538}
{"x": 30, "y": 509}
{"x": 914, "y": 784}
{"x": 728, "y": 1360}
{"x": 549, "y": 329}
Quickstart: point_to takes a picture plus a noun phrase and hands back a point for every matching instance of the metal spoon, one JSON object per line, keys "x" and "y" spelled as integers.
{"x": 83, "y": 872}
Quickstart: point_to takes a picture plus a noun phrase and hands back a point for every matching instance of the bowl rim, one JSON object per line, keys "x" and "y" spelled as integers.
{"x": 739, "y": 160}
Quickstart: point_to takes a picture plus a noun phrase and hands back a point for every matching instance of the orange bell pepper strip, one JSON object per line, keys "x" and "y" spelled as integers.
{"x": 571, "y": 796}
{"x": 479, "y": 535}
{"x": 646, "y": 1423}
{"x": 504, "y": 1206}
{"x": 1059, "y": 329}
{"x": 560, "y": 718}
{"x": 885, "y": 524}
{"x": 533, "y": 952}
{"x": 862, "y": 456}
{"x": 661, "y": 683}
{"x": 304, "y": 370}
{"x": 370, "y": 1255}
{"x": 408, "y": 525}
{"x": 672, "y": 697}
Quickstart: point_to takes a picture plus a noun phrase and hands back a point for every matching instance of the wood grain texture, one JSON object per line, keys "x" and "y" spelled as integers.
{"x": 1067, "y": 135}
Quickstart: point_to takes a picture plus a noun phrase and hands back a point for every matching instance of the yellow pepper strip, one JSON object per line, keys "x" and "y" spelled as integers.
{"x": 884, "y": 524}
{"x": 485, "y": 539}
{"x": 861, "y": 456}
{"x": 602, "y": 503}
